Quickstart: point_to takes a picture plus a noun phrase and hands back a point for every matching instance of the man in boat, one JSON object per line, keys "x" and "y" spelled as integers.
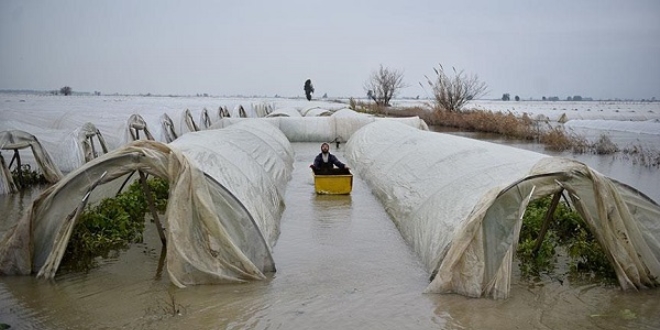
{"x": 325, "y": 161}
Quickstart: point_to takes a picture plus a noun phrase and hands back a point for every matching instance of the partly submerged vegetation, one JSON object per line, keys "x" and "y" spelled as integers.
{"x": 568, "y": 250}
{"x": 552, "y": 137}
{"x": 25, "y": 177}
{"x": 112, "y": 224}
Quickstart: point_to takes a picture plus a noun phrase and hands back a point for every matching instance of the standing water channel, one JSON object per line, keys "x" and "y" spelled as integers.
{"x": 341, "y": 264}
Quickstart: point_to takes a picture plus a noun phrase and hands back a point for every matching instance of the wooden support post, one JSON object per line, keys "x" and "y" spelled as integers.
{"x": 124, "y": 183}
{"x": 546, "y": 221}
{"x": 161, "y": 263}
{"x": 13, "y": 158}
{"x": 152, "y": 206}
{"x": 12, "y": 185}
{"x": 17, "y": 155}
{"x": 91, "y": 144}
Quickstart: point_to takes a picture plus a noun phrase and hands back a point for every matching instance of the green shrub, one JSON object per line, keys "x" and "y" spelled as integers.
{"x": 26, "y": 177}
{"x": 112, "y": 225}
{"x": 568, "y": 233}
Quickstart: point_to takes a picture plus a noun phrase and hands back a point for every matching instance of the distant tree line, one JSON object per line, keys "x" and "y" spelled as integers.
{"x": 507, "y": 97}
{"x": 569, "y": 98}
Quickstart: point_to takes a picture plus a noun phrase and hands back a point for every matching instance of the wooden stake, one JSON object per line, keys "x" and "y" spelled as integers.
{"x": 152, "y": 206}
{"x": 546, "y": 221}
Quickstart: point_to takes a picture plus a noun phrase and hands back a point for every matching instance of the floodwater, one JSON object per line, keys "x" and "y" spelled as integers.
{"x": 341, "y": 264}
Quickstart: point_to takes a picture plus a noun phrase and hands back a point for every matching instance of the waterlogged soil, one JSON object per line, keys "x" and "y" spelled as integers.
{"x": 341, "y": 264}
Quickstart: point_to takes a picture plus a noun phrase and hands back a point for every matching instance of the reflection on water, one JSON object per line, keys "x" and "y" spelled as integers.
{"x": 341, "y": 264}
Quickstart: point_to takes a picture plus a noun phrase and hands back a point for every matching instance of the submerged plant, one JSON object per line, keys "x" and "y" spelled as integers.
{"x": 568, "y": 234}
{"x": 605, "y": 146}
{"x": 112, "y": 224}
{"x": 26, "y": 177}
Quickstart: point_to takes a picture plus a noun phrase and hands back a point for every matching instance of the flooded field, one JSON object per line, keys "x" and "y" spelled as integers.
{"x": 341, "y": 264}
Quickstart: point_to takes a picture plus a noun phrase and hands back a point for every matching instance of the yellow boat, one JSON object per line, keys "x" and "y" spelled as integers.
{"x": 335, "y": 182}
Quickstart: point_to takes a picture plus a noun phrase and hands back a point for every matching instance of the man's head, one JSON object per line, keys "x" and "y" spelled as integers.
{"x": 325, "y": 148}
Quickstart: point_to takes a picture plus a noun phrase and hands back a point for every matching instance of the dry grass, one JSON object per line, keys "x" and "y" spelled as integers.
{"x": 554, "y": 138}
{"x": 642, "y": 156}
{"x": 371, "y": 108}
{"x": 557, "y": 139}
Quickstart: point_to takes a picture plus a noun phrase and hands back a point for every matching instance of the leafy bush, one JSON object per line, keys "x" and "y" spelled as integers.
{"x": 26, "y": 177}
{"x": 567, "y": 233}
{"x": 112, "y": 224}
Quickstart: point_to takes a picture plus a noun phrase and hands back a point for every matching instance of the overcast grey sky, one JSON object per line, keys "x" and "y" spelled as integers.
{"x": 593, "y": 48}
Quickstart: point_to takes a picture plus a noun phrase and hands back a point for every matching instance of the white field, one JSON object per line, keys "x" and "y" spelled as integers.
{"x": 54, "y": 120}
{"x": 624, "y": 122}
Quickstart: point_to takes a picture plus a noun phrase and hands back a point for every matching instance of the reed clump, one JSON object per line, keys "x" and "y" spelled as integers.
{"x": 557, "y": 139}
{"x": 553, "y": 137}
{"x": 642, "y": 156}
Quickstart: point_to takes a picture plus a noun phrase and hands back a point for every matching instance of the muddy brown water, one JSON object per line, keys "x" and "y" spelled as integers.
{"x": 341, "y": 264}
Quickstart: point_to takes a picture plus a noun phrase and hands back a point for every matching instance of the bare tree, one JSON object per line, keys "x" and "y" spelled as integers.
{"x": 383, "y": 85}
{"x": 452, "y": 93}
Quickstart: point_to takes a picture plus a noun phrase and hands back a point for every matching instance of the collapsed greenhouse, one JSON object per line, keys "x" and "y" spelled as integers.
{"x": 223, "y": 211}
{"x": 16, "y": 141}
{"x": 457, "y": 202}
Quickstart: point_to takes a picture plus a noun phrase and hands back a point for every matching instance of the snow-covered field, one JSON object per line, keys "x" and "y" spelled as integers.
{"x": 55, "y": 120}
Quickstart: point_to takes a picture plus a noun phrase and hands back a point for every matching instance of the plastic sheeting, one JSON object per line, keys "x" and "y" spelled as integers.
{"x": 651, "y": 127}
{"x": 321, "y": 129}
{"x": 346, "y": 112}
{"x": 18, "y": 140}
{"x": 284, "y": 112}
{"x": 61, "y": 144}
{"x": 572, "y": 110}
{"x": 85, "y": 141}
{"x": 459, "y": 203}
{"x": 316, "y": 112}
{"x": 222, "y": 219}
{"x": 168, "y": 128}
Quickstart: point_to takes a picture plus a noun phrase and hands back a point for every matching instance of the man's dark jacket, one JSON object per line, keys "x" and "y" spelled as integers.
{"x": 319, "y": 164}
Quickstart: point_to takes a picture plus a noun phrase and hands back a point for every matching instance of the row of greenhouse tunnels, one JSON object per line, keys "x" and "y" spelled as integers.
{"x": 216, "y": 196}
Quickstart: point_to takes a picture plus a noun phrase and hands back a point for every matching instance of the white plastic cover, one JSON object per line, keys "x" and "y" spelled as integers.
{"x": 61, "y": 144}
{"x": 316, "y": 112}
{"x": 169, "y": 130}
{"x": 459, "y": 203}
{"x": 284, "y": 112}
{"x": 651, "y": 127}
{"x": 239, "y": 112}
{"x": 88, "y": 147}
{"x": 321, "y": 129}
{"x": 19, "y": 140}
{"x": 623, "y": 133}
{"x": 346, "y": 112}
{"x": 222, "y": 219}
{"x": 112, "y": 124}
